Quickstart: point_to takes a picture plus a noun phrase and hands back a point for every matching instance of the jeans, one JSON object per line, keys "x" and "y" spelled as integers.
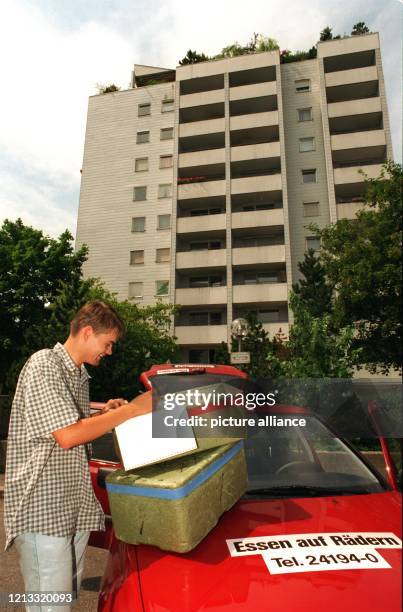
{"x": 50, "y": 563}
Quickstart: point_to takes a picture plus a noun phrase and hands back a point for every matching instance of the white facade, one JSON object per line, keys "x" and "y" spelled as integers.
{"x": 259, "y": 150}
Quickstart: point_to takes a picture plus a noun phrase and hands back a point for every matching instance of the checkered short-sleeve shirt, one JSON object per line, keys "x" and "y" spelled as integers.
{"x": 48, "y": 489}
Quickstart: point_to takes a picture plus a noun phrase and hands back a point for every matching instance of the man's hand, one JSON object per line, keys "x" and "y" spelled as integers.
{"x": 142, "y": 404}
{"x": 112, "y": 404}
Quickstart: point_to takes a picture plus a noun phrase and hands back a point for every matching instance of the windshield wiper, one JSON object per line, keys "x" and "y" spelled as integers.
{"x": 310, "y": 490}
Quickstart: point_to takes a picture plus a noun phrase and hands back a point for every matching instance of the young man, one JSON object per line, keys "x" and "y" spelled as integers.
{"x": 50, "y": 507}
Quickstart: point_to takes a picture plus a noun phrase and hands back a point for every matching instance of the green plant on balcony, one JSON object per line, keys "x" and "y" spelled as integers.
{"x": 359, "y": 28}
{"x": 192, "y": 57}
{"x": 103, "y": 89}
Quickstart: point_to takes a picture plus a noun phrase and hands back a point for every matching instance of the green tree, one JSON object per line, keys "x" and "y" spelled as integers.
{"x": 313, "y": 290}
{"x": 147, "y": 341}
{"x": 359, "y": 28}
{"x": 362, "y": 261}
{"x": 104, "y": 89}
{"x": 326, "y": 34}
{"x": 258, "y": 343}
{"x": 314, "y": 349}
{"x": 257, "y": 44}
{"x": 192, "y": 57}
{"x": 32, "y": 270}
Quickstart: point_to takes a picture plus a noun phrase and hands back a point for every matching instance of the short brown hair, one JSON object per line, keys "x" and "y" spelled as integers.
{"x": 100, "y": 316}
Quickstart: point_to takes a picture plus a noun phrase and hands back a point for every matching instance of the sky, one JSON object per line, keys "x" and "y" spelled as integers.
{"x": 54, "y": 53}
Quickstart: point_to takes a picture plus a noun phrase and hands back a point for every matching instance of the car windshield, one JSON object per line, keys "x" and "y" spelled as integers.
{"x": 306, "y": 460}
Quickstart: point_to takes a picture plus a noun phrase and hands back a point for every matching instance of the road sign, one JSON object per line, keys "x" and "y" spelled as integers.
{"x": 239, "y": 357}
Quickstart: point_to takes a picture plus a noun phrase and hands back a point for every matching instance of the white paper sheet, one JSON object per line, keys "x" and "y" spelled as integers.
{"x": 139, "y": 448}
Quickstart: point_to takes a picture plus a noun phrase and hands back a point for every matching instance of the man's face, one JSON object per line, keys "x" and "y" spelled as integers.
{"x": 98, "y": 345}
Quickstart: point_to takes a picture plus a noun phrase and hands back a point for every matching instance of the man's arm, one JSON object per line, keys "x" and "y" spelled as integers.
{"x": 89, "y": 429}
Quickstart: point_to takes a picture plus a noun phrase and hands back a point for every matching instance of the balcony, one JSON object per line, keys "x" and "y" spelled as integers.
{"x": 358, "y": 140}
{"x": 191, "y": 83}
{"x": 189, "y": 260}
{"x": 251, "y": 106}
{"x": 200, "y": 158}
{"x": 205, "y": 223}
{"x": 198, "y": 128}
{"x": 200, "y": 334}
{"x": 206, "y": 112}
{"x": 249, "y": 256}
{"x": 255, "y": 151}
{"x": 202, "y": 98}
{"x": 202, "y": 142}
{"x": 354, "y": 107}
{"x": 255, "y": 184}
{"x": 348, "y": 77}
{"x": 351, "y": 45}
{"x": 350, "y": 174}
{"x": 255, "y": 120}
{"x": 207, "y": 189}
{"x": 244, "y": 92}
{"x": 257, "y": 218}
{"x": 348, "y": 210}
{"x": 200, "y": 296}
{"x": 259, "y": 293}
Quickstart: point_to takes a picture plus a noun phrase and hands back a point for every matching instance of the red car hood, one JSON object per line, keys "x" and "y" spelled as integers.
{"x": 209, "y": 578}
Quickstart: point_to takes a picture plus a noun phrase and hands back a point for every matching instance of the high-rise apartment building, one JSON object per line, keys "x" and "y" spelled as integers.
{"x": 198, "y": 184}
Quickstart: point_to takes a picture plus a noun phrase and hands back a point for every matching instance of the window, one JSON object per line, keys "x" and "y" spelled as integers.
{"x": 203, "y": 246}
{"x": 165, "y": 191}
{"x": 312, "y": 242}
{"x": 268, "y": 316}
{"x": 163, "y": 255}
{"x": 141, "y": 164}
{"x": 164, "y": 222}
{"x": 309, "y": 176}
{"x": 135, "y": 290}
{"x": 302, "y": 85}
{"x": 205, "y": 318}
{"x": 264, "y": 206}
{"x": 161, "y": 287}
{"x": 200, "y": 212}
{"x": 167, "y": 133}
{"x": 138, "y": 224}
{"x": 136, "y": 258}
{"x": 306, "y": 144}
{"x": 143, "y": 137}
{"x": 198, "y": 318}
{"x": 167, "y": 106}
{"x": 311, "y": 209}
{"x": 254, "y": 278}
{"x": 144, "y": 109}
{"x": 215, "y": 318}
{"x": 205, "y": 281}
{"x": 166, "y": 161}
{"x": 305, "y": 114}
{"x": 140, "y": 193}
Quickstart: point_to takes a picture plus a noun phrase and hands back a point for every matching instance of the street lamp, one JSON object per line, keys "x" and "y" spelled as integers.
{"x": 239, "y": 329}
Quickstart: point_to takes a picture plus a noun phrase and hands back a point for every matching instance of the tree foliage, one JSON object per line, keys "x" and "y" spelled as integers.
{"x": 147, "y": 341}
{"x": 313, "y": 289}
{"x": 192, "y": 57}
{"x": 326, "y": 34}
{"x": 41, "y": 288}
{"x": 257, "y": 44}
{"x": 362, "y": 261}
{"x": 104, "y": 89}
{"x": 359, "y": 28}
{"x": 33, "y": 268}
{"x": 314, "y": 349}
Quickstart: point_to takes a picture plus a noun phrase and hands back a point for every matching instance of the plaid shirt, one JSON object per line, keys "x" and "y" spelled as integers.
{"x": 48, "y": 489}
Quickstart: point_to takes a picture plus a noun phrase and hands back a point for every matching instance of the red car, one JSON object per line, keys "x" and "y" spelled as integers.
{"x": 318, "y": 529}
